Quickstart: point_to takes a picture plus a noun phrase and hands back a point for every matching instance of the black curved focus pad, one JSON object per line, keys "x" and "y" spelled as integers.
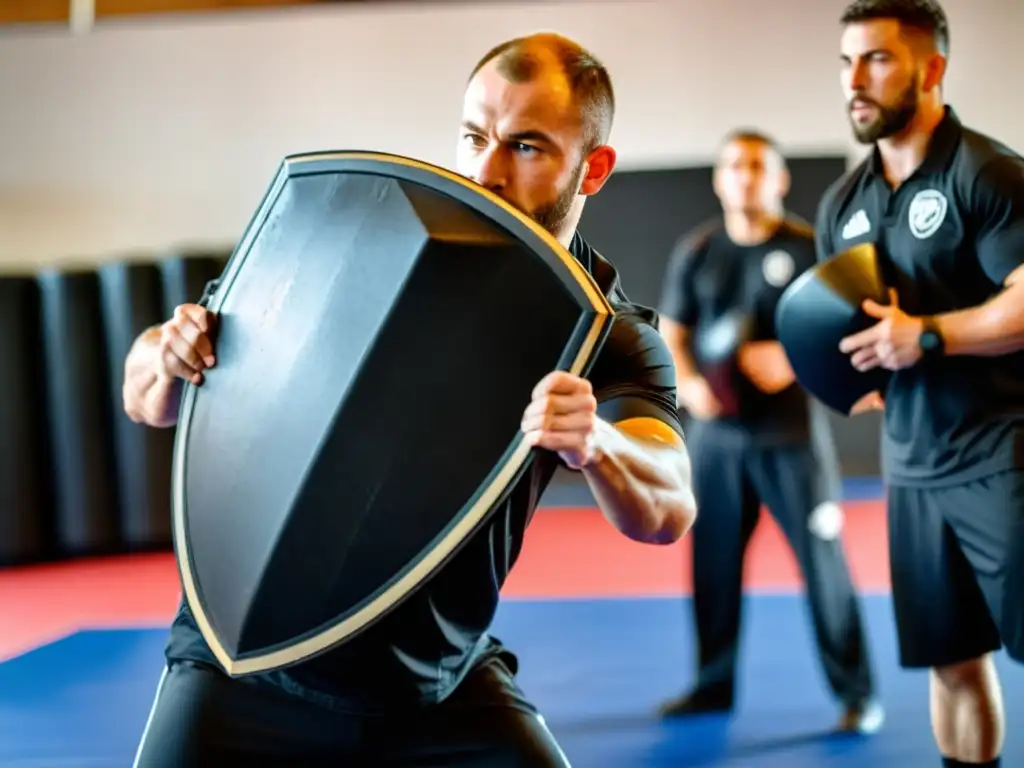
{"x": 375, "y": 355}
{"x": 79, "y": 413}
{"x": 817, "y": 311}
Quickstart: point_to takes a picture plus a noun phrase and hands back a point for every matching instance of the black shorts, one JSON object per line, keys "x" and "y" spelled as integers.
{"x": 957, "y": 561}
{"x": 202, "y": 718}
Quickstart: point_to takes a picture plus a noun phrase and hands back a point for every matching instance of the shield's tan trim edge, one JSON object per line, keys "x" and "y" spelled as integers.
{"x": 293, "y": 654}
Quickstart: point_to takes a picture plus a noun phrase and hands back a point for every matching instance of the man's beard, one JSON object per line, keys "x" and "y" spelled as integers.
{"x": 758, "y": 214}
{"x": 890, "y": 120}
{"x": 553, "y": 215}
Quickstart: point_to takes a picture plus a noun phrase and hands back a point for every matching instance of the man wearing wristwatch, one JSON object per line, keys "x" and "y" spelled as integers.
{"x": 944, "y": 205}
{"x": 930, "y": 341}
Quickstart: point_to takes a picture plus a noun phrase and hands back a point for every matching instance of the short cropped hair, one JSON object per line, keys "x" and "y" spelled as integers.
{"x": 521, "y": 59}
{"x": 753, "y": 136}
{"x": 925, "y": 16}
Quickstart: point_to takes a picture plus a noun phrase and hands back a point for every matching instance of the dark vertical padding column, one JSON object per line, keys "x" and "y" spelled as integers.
{"x": 132, "y": 296}
{"x": 26, "y": 521}
{"x": 78, "y": 391}
{"x": 185, "y": 276}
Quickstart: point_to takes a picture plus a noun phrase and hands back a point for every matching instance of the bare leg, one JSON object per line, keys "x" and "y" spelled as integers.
{"x": 967, "y": 710}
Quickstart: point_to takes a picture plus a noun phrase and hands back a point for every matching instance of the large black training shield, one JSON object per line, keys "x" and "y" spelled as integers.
{"x": 381, "y": 328}
{"x": 817, "y": 311}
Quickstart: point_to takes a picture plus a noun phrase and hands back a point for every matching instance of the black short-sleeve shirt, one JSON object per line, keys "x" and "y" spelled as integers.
{"x": 948, "y": 237}
{"x": 423, "y": 649}
{"x": 710, "y": 276}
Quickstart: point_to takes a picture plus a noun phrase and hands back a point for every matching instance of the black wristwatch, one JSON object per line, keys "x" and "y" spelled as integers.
{"x": 931, "y": 341}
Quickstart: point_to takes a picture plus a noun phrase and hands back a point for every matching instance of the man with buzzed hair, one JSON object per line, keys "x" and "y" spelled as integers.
{"x": 757, "y": 438}
{"x": 428, "y": 684}
{"x": 520, "y": 61}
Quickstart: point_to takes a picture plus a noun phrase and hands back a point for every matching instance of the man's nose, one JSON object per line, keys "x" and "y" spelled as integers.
{"x": 856, "y": 78}
{"x": 492, "y": 172}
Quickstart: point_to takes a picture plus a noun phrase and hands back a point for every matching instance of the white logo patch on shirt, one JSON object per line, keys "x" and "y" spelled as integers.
{"x": 927, "y": 212}
{"x": 777, "y": 268}
{"x": 857, "y": 225}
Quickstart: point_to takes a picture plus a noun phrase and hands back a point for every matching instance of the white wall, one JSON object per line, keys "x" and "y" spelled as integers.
{"x": 145, "y": 135}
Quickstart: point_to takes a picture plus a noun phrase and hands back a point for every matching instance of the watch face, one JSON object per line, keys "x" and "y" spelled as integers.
{"x": 929, "y": 341}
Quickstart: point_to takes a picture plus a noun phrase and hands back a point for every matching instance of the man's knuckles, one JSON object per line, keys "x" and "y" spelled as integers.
{"x": 193, "y": 313}
{"x": 558, "y": 404}
{"x": 579, "y": 421}
{"x": 562, "y": 382}
{"x": 171, "y": 365}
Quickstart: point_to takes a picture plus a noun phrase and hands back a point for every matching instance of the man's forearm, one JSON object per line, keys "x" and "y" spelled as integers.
{"x": 642, "y": 486}
{"x": 989, "y": 330}
{"x": 766, "y": 364}
{"x": 147, "y": 398}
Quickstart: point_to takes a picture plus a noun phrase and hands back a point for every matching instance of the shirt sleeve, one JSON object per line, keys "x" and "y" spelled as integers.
{"x": 634, "y": 376}
{"x": 999, "y": 206}
{"x": 823, "y": 229}
{"x": 678, "y": 302}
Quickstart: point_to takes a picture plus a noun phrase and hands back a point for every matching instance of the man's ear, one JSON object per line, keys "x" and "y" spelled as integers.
{"x": 600, "y": 164}
{"x": 785, "y": 182}
{"x": 935, "y": 71}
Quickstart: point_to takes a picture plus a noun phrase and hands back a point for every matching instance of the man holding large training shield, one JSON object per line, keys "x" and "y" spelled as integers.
{"x": 426, "y": 677}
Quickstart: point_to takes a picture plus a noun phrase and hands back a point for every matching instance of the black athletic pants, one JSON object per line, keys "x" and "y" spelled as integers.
{"x": 733, "y": 476}
{"x": 957, "y": 560}
{"x": 203, "y": 718}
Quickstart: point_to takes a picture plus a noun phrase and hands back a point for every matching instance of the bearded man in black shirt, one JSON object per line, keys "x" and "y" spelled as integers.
{"x": 428, "y": 682}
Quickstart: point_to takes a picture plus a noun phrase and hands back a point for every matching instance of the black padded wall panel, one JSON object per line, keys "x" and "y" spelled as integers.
{"x": 26, "y": 521}
{"x": 132, "y": 297}
{"x": 78, "y": 389}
